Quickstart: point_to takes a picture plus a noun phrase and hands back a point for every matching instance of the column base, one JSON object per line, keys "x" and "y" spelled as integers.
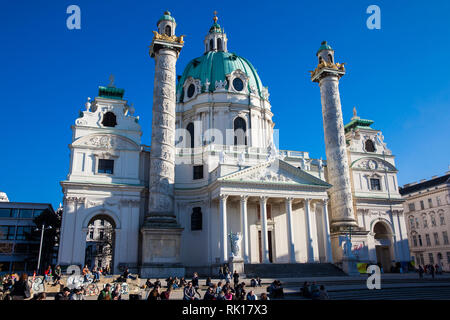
{"x": 349, "y": 266}
{"x": 236, "y": 263}
{"x": 161, "y": 252}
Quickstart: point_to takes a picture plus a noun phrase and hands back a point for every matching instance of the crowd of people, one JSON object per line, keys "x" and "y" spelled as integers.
{"x": 429, "y": 269}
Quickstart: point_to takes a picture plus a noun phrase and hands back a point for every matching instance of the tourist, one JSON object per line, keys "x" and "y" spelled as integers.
{"x": 251, "y": 295}
{"x": 253, "y": 283}
{"x": 169, "y": 282}
{"x": 221, "y": 273}
{"x": 157, "y": 283}
{"x": 189, "y": 292}
{"x": 40, "y": 296}
{"x": 127, "y": 275}
{"x": 175, "y": 284}
{"x": 228, "y": 276}
{"x": 219, "y": 287}
{"x": 221, "y": 295}
{"x": 183, "y": 282}
{"x": 47, "y": 273}
{"x": 323, "y": 294}
{"x": 86, "y": 273}
{"x": 117, "y": 294}
{"x": 236, "y": 277}
{"x": 209, "y": 282}
{"x": 96, "y": 275}
{"x": 63, "y": 295}
{"x": 209, "y": 295}
{"x": 306, "y": 290}
{"x": 57, "y": 277}
{"x": 229, "y": 295}
{"x": 240, "y": 292}
{"x": 21, "y": 289}
{"x": 432, "y": 271}
{"x": 166, "y": 294}
{"x": 77, "y": 295}
{"x": 436, "y": 267}
{"x": 263, "y": 296}
{"x": 195, "y": 283}
{"x": 258, "y": 281}
{"x": 148, "y": 284}
{"x": 421, "y": 271}
{"x": 226, "y": 269}
{"x": 314, "y": 290}
{"x": 105, "y": 294}
{"x": 154, "y": 294}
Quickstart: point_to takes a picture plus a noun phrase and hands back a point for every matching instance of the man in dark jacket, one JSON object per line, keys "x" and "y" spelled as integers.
{"x": 63, "y": 295}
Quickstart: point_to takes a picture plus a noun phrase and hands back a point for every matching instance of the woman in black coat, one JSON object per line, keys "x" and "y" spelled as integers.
{"x": 21, "y": 289}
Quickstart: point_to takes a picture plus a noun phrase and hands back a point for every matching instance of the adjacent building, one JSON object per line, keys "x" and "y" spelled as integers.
{"x": 427, "y": 214}
{"x": 19, "y": 239}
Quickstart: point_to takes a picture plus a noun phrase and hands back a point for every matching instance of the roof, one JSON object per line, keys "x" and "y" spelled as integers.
{"x": 358, "y": 123}
{"x": 214, "y": 66}
{"x": 324, "y": 46}
{"x": 425, "y": 185}
{"x": 111, "y": 92}
{"x": 215, "y": 28}
{"x": 166, "y": 17}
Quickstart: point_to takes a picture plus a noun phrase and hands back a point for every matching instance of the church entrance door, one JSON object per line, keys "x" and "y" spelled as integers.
{"x": 269, "y": 238}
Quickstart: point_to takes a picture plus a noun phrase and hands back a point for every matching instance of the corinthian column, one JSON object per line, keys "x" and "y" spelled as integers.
{"x": 327, "y": 74}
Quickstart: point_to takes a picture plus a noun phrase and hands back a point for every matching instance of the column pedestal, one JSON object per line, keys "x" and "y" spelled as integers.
{"x": 236, "y": 263}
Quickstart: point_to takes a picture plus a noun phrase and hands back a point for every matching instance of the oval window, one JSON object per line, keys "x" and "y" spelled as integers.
{"x": 238, "y": 84}
{"x": 191, "y": 90}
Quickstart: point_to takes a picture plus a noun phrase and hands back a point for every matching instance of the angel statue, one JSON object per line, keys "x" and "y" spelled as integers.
{"x": 235, "y": 239}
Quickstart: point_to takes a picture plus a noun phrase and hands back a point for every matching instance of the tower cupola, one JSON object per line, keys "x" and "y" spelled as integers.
{"x": 216, "y": 39}
{"x": 325, "y": 53}
{"x": 166, "y": 24}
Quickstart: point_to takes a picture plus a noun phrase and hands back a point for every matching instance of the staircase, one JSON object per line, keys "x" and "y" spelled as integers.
{"x": 292, "y": 270}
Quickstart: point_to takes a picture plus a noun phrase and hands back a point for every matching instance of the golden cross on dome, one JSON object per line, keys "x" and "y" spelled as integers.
{"x": 215, "y": 17}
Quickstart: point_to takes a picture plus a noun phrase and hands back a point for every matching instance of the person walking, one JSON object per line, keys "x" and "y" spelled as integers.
{"x": 195, "y": 283}
{"x": 236, "y": 278}
{"x": 21, "y": 289}
{"x": 421, "y": 271}
{"x": 432, "y": 271}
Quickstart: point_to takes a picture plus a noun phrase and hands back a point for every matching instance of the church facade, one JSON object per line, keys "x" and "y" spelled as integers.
{"x": 213, "y": 188}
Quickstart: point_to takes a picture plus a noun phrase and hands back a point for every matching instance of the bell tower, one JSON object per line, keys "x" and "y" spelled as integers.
{"x": 216, "y": 39}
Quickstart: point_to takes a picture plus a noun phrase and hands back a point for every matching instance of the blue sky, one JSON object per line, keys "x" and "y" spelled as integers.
{"x": 397, "y": 76}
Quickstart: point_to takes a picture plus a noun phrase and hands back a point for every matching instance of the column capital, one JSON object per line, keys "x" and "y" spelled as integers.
{"x": 263, "y": 199}
{"x": 223, "y": 197}
{"x": 244, "y": 198}
{"x": 325, "y": 201}
{"x": 288, "y": 199}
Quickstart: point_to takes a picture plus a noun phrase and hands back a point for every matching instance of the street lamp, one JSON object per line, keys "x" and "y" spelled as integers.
{"x": 40, "y": 246}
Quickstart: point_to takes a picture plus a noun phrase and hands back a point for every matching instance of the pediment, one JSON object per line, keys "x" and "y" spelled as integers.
{"x": 275, "y": 172}
{"x": 106, "y": 141}
{"x": 373, "y": 164}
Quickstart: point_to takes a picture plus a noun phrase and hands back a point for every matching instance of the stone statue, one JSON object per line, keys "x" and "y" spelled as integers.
{"x": 348, "y": 247}
{"x": 235, "y": 239}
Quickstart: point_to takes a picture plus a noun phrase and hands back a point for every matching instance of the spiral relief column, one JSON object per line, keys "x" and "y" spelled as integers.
{"x": 161, "y": 233}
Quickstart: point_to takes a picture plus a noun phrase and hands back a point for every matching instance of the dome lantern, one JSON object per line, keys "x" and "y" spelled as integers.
{"x": 166, "y": 24}
{"x": 216, "y": 39}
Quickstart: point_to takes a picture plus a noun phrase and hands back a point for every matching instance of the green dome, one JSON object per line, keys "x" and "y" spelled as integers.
{"x": 215, "y": 28}
{"x": 324, "y": 46}
{"x": 166, "y": 16}
{"x": 213, "y": 66}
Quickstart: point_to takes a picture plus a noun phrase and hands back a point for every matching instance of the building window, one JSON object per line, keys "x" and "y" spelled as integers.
{"x": 445, "y": 236}
{"x": 109, "y": 119}
{"x": 411, "y": 222}
{"x": 420, "y": 240}
{"x": 105, "y": 166}
{"x": 191, "y": 90}
{"x": 422, "y": 260}
{"x": 26, "y": 213}
{"x": 375, "y": 184}
{"x": 7, "y": 232}
{"x": 211, "y": 44}
{"x": 198, "y": 172}
{"x": 427, "y": 237}
{"x": 219, "y": 44}
{"x": 5, "y": 213}
{"x": 91, "y": 234}
{"x": 417, "y": 223}
{"x": 422, "y": 206}
{"x": 238, "y": 84}
{"x": 240, "y": 129}
{"x": 101, "y": 235}
{"x": 442, "y": 219}
{"x": 438, "y": 200}
{"x": 430, "y": 203}
{"x": 196, "y": 219}
{"x": 411, "y": 207}
{"x": 102, "y": 222}
{"x": 425, "y": 222}
{"x": 433, "y": 220}
{"x": 436, "y": 238}
{"x": 448, "y": 257}
{"x": 415, "y": 241}
{"x": 168, "y": 31}
{"x": 190, "y": 130}
{"x": 369, "y": 146}
{"x": 431, "y": 258}
{"x": 24, "y": 233}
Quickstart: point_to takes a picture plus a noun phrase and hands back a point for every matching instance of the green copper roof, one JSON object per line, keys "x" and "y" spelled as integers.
{"x": 166, "y": 16}
{"x": 214, "y": 66}
{"x": 215, "y": 28}
{"x": 111, "y": 92}
{"x": 357, "y": 122}
{"x": 324, "y": 46}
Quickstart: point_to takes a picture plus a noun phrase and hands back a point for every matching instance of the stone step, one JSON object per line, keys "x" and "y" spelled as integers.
{"x": 278, "y": 270}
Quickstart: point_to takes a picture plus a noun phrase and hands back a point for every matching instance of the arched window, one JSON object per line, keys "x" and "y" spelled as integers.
{"x": 168, "y": 31}
{"x": 196, "y": 219}
{"x": 240, "y": 128}
{"x": 211, "y": 44}
{"x": 330, "y": 57}
{"x": 219, "y": 44}
{"x": 109, "y": 119}
{"x": 411, "y": 222}
{"x": 190, "y": 130}
{"x": 369, "y": 146}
